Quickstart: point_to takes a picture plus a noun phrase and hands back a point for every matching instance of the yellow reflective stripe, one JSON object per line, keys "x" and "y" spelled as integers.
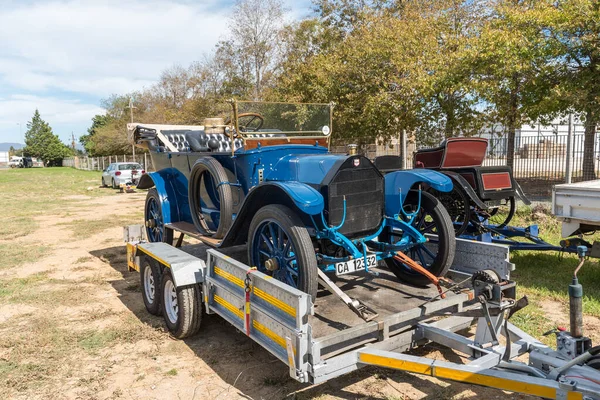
{"x": 492, "y": 381}
{"x": 269, "y": 333}
{"x": 274, "y": 301}
{"x": 229, "y": 277}
{"x": 229, "y": 306}
{"x": 403, "y": 365}
{"x": 160, "y": 260}
{"x": 574, "y": 396}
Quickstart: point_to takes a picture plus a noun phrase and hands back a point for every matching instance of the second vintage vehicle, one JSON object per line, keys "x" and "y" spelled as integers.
{"x": 262, "y": 175}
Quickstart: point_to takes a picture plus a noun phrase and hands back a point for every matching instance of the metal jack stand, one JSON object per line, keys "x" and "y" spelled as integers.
{"x": 358, "y": 307}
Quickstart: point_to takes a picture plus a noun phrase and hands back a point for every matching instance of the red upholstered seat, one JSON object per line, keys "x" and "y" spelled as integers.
{"x": 453, "y": 153}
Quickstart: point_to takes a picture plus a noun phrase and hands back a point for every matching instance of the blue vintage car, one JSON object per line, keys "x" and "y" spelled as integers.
{"x": 263, "y": 176}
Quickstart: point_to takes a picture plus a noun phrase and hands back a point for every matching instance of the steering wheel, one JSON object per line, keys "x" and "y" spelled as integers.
{"x": 245, "y": 127}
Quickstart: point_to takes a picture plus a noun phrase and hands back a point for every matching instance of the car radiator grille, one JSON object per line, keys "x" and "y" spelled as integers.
{"x": 363, "y": 188}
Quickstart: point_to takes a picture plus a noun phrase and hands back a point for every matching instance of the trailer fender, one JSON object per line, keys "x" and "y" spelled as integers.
{"x": 295, "y": 195}
{"x": 186, "y": 269}
{"x": 166, "y": 181}
{"x": 462, "y": 183}
{"x": 520, "y": 193}
{"x": 399, "y": 183}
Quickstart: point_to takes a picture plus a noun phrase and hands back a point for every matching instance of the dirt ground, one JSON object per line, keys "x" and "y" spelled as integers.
{"x": 73, "y": 326}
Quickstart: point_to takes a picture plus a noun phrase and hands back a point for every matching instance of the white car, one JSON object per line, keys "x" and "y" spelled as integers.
{"x": 121, "y": 173}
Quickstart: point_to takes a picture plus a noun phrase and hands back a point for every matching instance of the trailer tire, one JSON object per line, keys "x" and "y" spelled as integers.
{"x": 221, "y": 193}
{"x": 182, "y": 307}
{"x": 150, "y": 279}
{"x": 441, "y": 262}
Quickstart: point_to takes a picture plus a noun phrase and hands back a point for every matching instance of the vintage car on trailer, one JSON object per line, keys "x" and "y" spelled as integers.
{"x": 479, "y": 194}
{"x": 263, "y": 176}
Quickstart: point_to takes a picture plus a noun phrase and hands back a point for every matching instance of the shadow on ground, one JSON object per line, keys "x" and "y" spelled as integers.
{"x": 256, "y": 374}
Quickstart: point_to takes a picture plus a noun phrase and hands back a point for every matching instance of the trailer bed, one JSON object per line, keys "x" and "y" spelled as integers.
{"x": 577, "y": 205}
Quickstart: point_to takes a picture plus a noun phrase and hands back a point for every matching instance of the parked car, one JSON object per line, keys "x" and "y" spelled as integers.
{"x": 15, "y": 162}
{"x": 264, "y": 176}
{"x": 122, "y": 173}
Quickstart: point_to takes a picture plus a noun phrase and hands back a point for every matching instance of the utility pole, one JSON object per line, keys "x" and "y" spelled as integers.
{"x": 131, "y": 107}
{"x": 72, "y": 140}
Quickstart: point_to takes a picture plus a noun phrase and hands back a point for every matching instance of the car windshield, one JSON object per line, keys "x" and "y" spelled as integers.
{"x": 292, "y": 119}
{"x": 127, "y": 167}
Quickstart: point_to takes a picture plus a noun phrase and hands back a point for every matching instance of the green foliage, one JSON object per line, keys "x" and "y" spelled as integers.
{"x": 41, "y": 142}
{"x": 436, "y": 69}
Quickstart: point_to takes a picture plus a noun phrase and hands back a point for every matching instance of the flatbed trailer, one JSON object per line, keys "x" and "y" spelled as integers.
{"x": 325, "y": 339}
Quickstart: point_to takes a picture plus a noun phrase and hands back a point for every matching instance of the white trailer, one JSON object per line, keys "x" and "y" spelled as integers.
{"x": 326, "y": 339}
{"x": 577, "y": 206}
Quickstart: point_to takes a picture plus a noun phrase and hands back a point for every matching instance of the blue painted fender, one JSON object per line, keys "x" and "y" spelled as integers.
{"x": 306, "y": 198}
{"x": 171, "y": 185}
{"x": 399, "y": 183}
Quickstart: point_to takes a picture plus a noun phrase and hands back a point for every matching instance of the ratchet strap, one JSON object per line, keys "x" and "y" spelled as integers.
{"x": 409, "y": 262}
{"x": 248, "y": 290}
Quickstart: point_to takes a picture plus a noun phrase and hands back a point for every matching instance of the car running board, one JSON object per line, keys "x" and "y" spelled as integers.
{"x": 359, "y": 308}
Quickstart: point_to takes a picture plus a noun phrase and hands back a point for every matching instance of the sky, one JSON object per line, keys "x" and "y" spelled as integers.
{"x": 63, "y": 57}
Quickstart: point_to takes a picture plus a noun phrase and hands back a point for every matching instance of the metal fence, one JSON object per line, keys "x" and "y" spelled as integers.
{"x": 101, "y": 163}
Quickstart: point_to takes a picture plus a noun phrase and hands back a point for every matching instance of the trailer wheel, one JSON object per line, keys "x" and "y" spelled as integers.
{"x": 153, "y": 218}
{"x": 432, "y": 219}
{"x": 280, "y": 246}
{"x": 210, "y": 198}
{"x": 182, "y": 307}
{"x": 150, "y": 277}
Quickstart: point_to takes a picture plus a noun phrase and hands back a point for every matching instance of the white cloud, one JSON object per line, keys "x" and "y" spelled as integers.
{"x": 59, "y": 113}
{"x": 100, "y": 48}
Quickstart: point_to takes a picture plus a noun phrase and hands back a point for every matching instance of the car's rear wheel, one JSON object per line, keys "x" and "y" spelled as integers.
{"x": 153, "y": 217}
{"x": 280, "y": 246}
{"x": 432, "y": 219}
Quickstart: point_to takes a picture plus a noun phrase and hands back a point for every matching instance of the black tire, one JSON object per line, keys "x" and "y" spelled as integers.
{"x": 103, "y": 184}
{"x": 458, "y": 205}
{"x": 184, "y": 320}
{"x": 150, "y": 280}
{"x": 151, "y": 233}
{"x": 218, "y": 175}
{"x": 294, "y": 230}
{"x": 440, "y": 224}
{"x": 504, "y": 218}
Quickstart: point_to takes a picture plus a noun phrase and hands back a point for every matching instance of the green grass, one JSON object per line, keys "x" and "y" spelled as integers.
{"x": 25, "y": 193}
{"x": 14, "y": 254}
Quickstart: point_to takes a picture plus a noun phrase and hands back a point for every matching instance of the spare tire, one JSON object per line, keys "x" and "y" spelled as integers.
{"x": 209, "y": 195}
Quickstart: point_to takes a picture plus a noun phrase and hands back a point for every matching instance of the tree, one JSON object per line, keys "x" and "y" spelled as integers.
{"x": 15, "y": 152}
{"x": 388, "y": 69}
{"x": 41, "y": 142}
{"x": 573, "y": 28}
{"x": 87, "y": 141}
{"x": 253, "y": 47}
{"x": 512, "y": 61}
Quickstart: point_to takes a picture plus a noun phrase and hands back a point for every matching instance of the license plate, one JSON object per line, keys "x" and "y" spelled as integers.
{"x": 358, "y": 264}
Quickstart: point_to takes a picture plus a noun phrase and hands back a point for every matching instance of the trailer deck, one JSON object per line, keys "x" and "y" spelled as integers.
{"x": 324, "y": 340}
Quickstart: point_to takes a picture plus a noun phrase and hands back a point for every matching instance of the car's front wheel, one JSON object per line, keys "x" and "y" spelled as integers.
{"x": 280, "y": 246}
{"x": 433, "y": 221}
